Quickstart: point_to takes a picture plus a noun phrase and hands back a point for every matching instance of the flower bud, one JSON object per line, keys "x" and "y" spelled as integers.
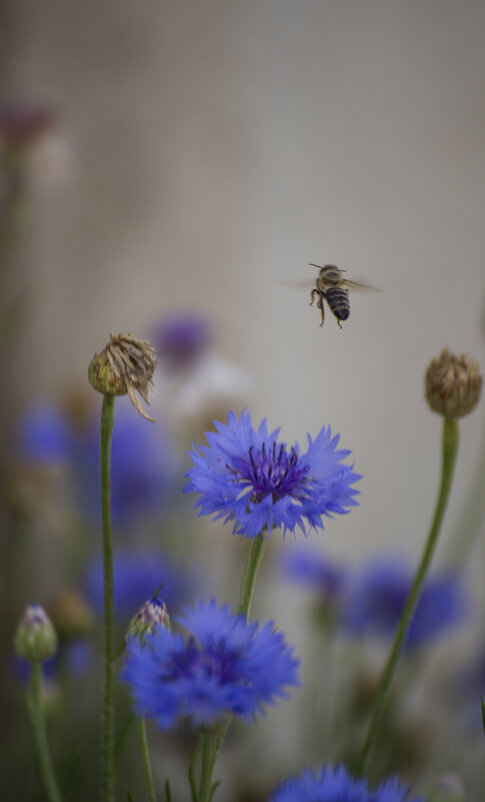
{"x": 453, "y": 384}
{"x": 71, "y": 616}
{"x": 35, "y": 638}
{"x": 126, "y": 365}
{"x": 150, "y": 616}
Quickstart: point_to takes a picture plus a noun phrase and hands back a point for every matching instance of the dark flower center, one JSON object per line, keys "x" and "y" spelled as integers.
{"x": 212, "y": 661}
{"x": 272, "y": 471}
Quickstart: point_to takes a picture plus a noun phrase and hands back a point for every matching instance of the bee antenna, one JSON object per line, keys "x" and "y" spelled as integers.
{"x": 310, "y": 264}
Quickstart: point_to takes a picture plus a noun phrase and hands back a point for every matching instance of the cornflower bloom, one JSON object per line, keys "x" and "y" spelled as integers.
{"x": 311, "y": 569}
{"x": 337, "y": 785}
{"x": 246, "y": 476}
{"x": 221, "y": 669}
{"x": 376, "y": 600}
{"x": 182, "y": 339}
{"x": 45, "y": 437}
{"x": 137, "y": 575}
{"x": 144, "y": 461}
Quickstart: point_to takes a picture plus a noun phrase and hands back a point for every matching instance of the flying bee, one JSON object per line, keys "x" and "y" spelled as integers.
{"x": 331, "y": 286}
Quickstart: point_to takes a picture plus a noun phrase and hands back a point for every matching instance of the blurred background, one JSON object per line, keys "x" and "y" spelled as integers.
{"x": 192, "y": 158}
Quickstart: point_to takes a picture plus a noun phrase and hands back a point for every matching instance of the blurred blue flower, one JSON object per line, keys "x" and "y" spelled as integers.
{"x": 375, "y": 602}
{"x": 310, "y": 568}
{"x": 248, "y": 477}
{"x": 77, "y": 657}
{"x": 330, "y": 784}
{"x": 137, "y": 575}
{"x": 143, "y": 466}
{"x": 181, "y": 339}
{"x": 225, "y": 666}
{"x": 44, "y": 436}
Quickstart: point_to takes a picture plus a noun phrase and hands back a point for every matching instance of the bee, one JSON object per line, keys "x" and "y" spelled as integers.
{"x": 331, "y": 286}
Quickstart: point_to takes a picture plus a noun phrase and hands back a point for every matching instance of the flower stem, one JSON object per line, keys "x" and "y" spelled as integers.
{"x": 450, "y": 441}
{"x": 211, "y": 744}
{"x": 107, "y": 420}
{"x": 145, "y": 758}
{"x": 207, "y": 760}
{"x": 249, "y": 576}
{"x": 36, "y": 712}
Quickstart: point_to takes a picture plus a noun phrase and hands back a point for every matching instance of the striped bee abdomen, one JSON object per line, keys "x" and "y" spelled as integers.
{"x": 338, "y": 301}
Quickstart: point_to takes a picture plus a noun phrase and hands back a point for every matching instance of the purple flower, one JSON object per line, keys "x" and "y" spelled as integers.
{"x": 142, "y": 468}
{"x": 309, "y": 568}
{"x": 182, "y": 339}
{"x": 44, "y": 436}
{"x": 221, "y": 669}
{"x": 137, "y": 575}
{"x": 375, "y": 602}
{"x": 337, "y": 785}
{"x": 246, "y": 476}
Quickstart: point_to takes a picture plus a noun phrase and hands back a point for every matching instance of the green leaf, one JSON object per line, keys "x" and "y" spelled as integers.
{"x": 214, "y": 788}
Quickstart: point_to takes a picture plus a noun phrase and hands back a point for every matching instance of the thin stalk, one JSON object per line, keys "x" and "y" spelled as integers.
{"x": 211, "y": 744}
{"x": 207, "y": 760}
{"x": 450, "y": 441}
{"x": 107, "y": 420}
{"x": 36, "y": 711}
{"x": 145, "y": 758}
{"x": 249, "y": 576}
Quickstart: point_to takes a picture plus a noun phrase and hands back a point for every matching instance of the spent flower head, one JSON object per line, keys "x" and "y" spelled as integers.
{"x": 453, "y": 384}
{"x": 126, "y": 365}
{"x": 249, "y": 477}
{"x": 35, "y": 637}
{"x": 221, "y": 669}
{"x": 330, "y": 784}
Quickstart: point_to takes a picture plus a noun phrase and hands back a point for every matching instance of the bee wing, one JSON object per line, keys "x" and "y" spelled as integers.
{"x": 359, "y": 285}
{"x": 299, "y": 284}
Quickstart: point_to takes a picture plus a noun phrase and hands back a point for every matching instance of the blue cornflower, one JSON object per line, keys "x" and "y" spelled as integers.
{"x": 137, "y": 575}
{"x": 336, "y": 785}
{"x": 44, "y": 436}
{"x": 248, "y": 477}
{"x": 182, "y": 339}
{"x": 376, "y": 599}
{"x": 315, "y": 571}
{"x": 226, "y": 666}
{"x": 143, "y": 461}
{"x": 77, "y": 657}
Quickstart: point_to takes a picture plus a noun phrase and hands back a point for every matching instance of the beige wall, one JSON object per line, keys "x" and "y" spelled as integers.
{"x": 219, "y": 147}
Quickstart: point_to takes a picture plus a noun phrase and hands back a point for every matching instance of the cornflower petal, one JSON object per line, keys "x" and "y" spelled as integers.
{"x": 337, "y": 785}
{"x": 220, "y": 669}
{"x": 248, "y": 477}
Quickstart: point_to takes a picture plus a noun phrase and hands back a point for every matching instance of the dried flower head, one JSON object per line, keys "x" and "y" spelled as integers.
{"x": 126, "y": 365}
{"x": 453, "y": 384}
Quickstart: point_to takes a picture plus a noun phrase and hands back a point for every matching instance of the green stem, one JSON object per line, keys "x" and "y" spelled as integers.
{"x": 449, "y": 451}
{"x": 107, "y": 420}
{"x": 145, "y": 758}
{"x": 36, "y": 712}
{"x": 249, "y": 576}
{"x": 207, "y": 760}
{"x": 211, "y": 744}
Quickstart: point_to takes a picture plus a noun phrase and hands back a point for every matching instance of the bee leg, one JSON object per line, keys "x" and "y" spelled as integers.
{"x": 339, "y": 324}
{"x": 312, "y": 296}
